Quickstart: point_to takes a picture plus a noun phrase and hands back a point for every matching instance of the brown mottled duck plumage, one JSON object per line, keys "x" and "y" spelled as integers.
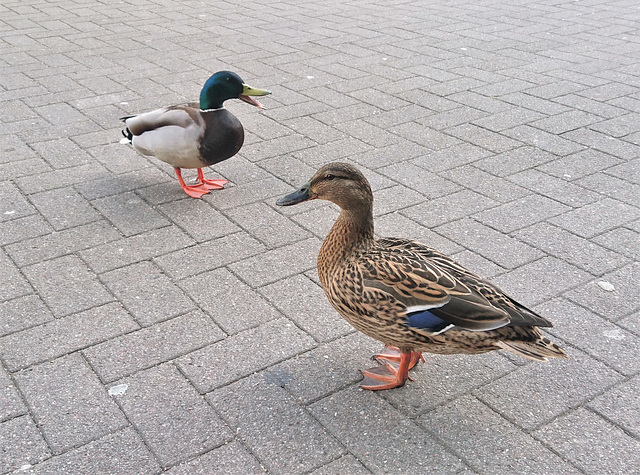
{"x": 407, "y": 295}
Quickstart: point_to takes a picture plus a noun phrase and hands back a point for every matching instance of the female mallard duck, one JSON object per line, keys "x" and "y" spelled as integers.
{"x": 194, "y": 135}
{"x": 406, "y": 294}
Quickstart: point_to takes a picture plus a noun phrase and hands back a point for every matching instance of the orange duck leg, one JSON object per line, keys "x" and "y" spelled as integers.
{"x": 210, "y": 184}
{"x": 389, "y": 375}
{"x": 195, "y": 191}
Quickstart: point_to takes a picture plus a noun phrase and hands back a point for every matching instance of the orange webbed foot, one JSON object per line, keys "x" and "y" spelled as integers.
{"x": 381, "y": 377}
{"x": 390, "y": 375}
{"x": 195, "y": 191}
{"x": 210, "y": 184}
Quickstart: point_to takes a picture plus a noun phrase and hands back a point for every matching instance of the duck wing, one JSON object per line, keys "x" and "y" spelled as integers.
{"x": 436, "y": 292}
{"x": 179, "y": 116}
{"x": 171, "y": 134}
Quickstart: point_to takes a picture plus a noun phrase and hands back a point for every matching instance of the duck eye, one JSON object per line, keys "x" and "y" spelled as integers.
{"x": 330, "y": 176}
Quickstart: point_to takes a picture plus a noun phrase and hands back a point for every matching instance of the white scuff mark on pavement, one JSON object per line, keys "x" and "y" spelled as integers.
{"x": 615, "y": 334}
{"x": 118, "y": 390}
{"x": 13, "y": 211}
{"x": 608, "y": 286}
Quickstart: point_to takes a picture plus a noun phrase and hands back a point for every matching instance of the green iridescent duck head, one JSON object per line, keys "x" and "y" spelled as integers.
{"x": 225, "y": 85}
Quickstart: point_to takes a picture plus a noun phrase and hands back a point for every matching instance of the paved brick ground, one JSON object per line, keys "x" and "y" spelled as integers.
{"x": 145, "y": 332}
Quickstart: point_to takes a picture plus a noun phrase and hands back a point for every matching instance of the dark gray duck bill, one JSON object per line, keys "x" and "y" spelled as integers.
{"x": 296, "y": 197}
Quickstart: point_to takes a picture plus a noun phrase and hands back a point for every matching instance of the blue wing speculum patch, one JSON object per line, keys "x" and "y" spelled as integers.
{"x": 427, "y": 321}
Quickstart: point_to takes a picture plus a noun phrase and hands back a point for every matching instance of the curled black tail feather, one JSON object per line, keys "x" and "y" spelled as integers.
{"x": 126, "y": 133}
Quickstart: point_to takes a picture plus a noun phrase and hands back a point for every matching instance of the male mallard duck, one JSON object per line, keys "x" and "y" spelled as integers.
{"x": 194, "y": 135}
{"x": 407, "y": 295}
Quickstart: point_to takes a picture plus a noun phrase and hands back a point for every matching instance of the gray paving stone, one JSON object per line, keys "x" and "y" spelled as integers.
{"x": 122, "y": 452}
{"x": 329, "y": 367}
{"x": 612, "y": 186}
{"x": 16, "y": 169}
{"x": 188, "y": 261}
{"x": 489, "y": 443}
{"x": 64, "y": 208}
{"x": 629, "y": 171}
{"x": 199, "y": 219}
{"x": 21, "y": 444}
{"x": 623, "y": 240}
{"x": 497, "y": 188}
{"x": 566, "y": 121}
{"x": 228, "y": 459}
{"x": 67, "y": 286}
{"x": 591, "y": 443}
{"x": 449, "y": 208}
{"x": 12, "y": 283}
{"x": 286, "y": 440}
{"x": 513, "y": 161}
{"x": 61, "y": 153}
{"x": 243, "y": 353}
{"x": 395, "y": 198}
{"x": 545, "y": 391}
{"x": 571, "y": 248}
{"x": 580, "y": 164}
{"x": 64, "y": 335}
{"x": 12, "y": 405}
{"x": 543, "y": 140}
{"x": 495, "y": 142}
{"x": 620, "y": 406}
{"x": 144, "y": 182}
{"x": 449, "y": 158}
{"x": 316, "y": 156}
{"x": 68, "y": 402}
{"x": 541, "y": 280}
{"x": 596, "y": 218}
{"x": 397, "y": 225}
{"x": 451, "y": 118}
{"x": 347, "y": 464}
{"x": 443, "y": 378}
{"x": 175, "y": 422}
{"x": 558, "y": 189}
{"x": 426, "y": 183}
{"x": 130, "y": 214}
{"x": 432, "y": 139}
{"x": 493, "y": 245}
{"x": 14, "y": 205}
{"x": 147, "y": 293}
{"x": 136, "y": 248}
{"x": 614, "y": 346}
{"x": 20, "y": 229}
{"x": 279, "y": 263}
{"x": 60, "y": 178}
{"x": 59, "y": 243}
{"x": 383, "y": 439}
{"x": 119, "y": 357}
{"x": 522, "y": 212}
{"x": 304, "y": 302}
{"x": 232, "y": 304}
{"x": 611, "y": 305}
{"x": 478, "y": 264}
{"x": 267, "y": 225}
{"x": 604, "y": 143}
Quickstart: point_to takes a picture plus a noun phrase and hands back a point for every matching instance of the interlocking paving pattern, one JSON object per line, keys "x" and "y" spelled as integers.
{"x": 143, "y": 332}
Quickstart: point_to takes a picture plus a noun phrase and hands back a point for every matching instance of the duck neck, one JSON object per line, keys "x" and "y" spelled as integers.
{"x": 352, "y": 231}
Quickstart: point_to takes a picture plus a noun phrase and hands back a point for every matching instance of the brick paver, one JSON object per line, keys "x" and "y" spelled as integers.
{"x": 142, "y": 331}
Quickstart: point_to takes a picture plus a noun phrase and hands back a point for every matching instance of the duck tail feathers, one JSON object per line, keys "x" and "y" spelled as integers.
{"x": 539, "y": 350}
{"x": 128, "y": 136}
